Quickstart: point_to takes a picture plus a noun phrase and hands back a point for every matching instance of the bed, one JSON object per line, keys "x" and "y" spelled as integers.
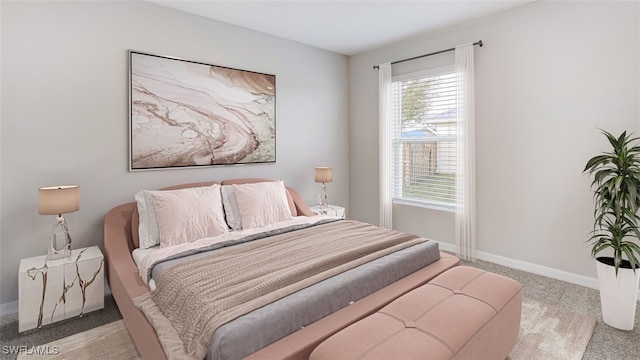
{"x": 282, "y": 322}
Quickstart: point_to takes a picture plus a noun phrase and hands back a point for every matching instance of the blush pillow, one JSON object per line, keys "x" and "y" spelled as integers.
{"x": 261, "y": 204}
{"x": 186, "y": 215}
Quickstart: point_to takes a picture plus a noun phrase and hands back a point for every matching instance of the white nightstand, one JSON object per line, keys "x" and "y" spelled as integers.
{"x": 331, "y": 210}
{"x": 54, "y": 290}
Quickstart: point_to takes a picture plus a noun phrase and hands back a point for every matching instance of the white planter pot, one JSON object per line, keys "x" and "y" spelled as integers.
{"x": 618, "y": 295}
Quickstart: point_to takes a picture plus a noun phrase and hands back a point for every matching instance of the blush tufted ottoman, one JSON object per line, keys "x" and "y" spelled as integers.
{"x": 464, "y": 313}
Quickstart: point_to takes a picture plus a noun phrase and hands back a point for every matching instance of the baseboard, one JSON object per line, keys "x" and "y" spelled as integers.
{"x": 532, "y": 268}
{"x": 9, "y": 308}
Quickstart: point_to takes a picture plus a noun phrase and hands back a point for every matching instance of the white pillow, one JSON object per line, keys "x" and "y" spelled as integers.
{"x": 148, "y": 227}
{"x": 186, "y": 215}
{"x": 261, "y": 204}
{"x": 231, "y": 212}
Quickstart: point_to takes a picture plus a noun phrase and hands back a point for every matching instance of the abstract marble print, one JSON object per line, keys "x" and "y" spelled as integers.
{"x": 185, "y": 113}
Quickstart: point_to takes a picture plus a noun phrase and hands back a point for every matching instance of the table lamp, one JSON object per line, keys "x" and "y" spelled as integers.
{"x": 59, "y": 200}
{"x": 323, "y": 174}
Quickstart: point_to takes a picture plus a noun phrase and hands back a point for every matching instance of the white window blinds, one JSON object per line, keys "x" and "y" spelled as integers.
{"x": 423, "y": 138}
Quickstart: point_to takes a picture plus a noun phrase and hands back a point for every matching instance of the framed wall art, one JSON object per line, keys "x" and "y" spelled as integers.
{"x": 186, "y": 114}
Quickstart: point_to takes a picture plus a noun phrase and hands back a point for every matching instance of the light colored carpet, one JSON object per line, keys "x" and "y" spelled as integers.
{"x": 547, "y": 332}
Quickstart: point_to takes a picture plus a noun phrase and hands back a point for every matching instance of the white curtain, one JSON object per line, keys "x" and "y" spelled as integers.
{"x": 384, "y": 111}
{"x": 465, "y": 217}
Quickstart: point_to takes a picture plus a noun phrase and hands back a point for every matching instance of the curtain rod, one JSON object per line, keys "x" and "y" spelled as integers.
{"x": 375, "y": 67}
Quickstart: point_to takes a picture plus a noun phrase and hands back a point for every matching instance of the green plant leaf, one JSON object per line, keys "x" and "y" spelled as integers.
{"x": 615, "y": 185}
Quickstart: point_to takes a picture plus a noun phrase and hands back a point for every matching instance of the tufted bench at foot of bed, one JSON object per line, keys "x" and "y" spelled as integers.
{"x": 464, "y": 313}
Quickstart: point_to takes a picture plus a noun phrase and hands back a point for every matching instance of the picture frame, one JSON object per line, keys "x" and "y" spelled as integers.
{"x": 186, "y": 114}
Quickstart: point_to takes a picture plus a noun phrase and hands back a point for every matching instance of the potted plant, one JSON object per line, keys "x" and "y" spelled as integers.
{"x": 616, "y": 186}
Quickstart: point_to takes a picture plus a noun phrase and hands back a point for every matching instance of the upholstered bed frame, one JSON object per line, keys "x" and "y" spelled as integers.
{"x": 120, "y": 229}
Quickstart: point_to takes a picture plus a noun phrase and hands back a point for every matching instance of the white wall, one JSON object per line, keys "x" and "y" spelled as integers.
{"x": 549, "y": 75}
{"x": 64, "y": 112}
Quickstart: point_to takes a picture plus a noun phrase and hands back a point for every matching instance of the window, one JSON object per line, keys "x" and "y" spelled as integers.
{"x": 423, "y": 138}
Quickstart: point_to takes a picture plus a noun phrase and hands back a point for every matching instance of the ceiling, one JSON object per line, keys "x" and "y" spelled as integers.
{"x": 346, "y": 27}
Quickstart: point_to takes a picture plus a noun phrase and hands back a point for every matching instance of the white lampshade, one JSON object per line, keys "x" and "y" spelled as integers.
{"x": 61, "y": 199}
{"x": 323, "y": 174}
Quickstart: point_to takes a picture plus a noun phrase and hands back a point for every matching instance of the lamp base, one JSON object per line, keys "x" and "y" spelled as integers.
{"x": 324, "y": 200}
{"x": 59, "y": 240}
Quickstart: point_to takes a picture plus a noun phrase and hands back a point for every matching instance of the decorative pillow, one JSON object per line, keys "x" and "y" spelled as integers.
{"x": 187, "y": 215}
{"x": 231, "y": 212}
{"x": 148, "y": 226}
{"x": 261, "y": 204}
